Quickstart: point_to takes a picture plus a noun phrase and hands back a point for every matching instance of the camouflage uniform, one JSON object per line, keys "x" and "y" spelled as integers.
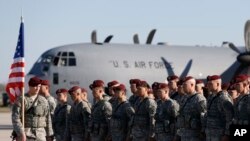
{"x": 100, "y": 117}
{"x": 191, "y": 117}
{"x": 132, "y": 100}
{"x": 52, "y": 104}
{"x": 242, "y": 110}
{"x": 165, "y": 117}
{"x": 143, "y": 121}
{"x": 38, "y": 123}
{"x": 60, "y": 122}
{"x": 219, "y": 116}
{"x": 78, "y": 120}
{"x": 121, "y": 115}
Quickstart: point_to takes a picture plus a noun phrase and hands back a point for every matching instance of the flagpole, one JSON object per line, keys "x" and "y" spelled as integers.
{"x": 23, "y": 79}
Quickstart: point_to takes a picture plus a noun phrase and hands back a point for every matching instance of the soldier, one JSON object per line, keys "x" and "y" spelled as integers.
{"x": 61, "y": 115}
{"x": 242, "y": 105}
{"x": 101, "y": 113}
{"x": 142, "y": 128}
{"x": 79, "y": 116}
{"x": 133, "y": 98}
{"x": 154, "y": 87}
{"x": 121, "y": 115}
{"x": 172, "y": 83}
{"x": 219, "y": 111}
{"x": 37, "y": 118}
{"x": 233, "y": 93}
{"x": 191, "y": 113}
{"x": 45, "y": 92}
{"x": 84, "y": 97}
{"x": 199, "y": 86}
{"x": 111, "y": 92}
{"x": 166, "y": 113}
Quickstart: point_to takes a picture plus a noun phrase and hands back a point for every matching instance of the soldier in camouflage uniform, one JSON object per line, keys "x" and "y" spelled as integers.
{"x": 45, "y": 92}
{"x": 38, "y": 125}
{"x": 111, "y": 85}
{"x": 142, "y": 128}
{"x": 242, "y": 105}
{"x": 172, "y": 83}
{"x": 134, "y": 97}
{"x": 199, "y": 86}
{"x": 79, "y": 116}
{"x": 121, "y": 115}
{"x": 61, "y": 114}
{"x": 191, "y": 113}
{"x": 219, "y": 111}
{"x": 101, "y": 113}
{"x": 166, "y": 113}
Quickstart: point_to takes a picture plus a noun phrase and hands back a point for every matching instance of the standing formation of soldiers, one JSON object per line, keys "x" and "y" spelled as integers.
{"x": 185, "y": 109}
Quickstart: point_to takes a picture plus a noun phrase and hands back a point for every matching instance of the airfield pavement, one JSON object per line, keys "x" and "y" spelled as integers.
{"x": 5, "y": 124}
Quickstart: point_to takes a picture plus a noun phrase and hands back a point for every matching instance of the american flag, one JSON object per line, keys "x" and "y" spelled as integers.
{"x": 16, "y": 77}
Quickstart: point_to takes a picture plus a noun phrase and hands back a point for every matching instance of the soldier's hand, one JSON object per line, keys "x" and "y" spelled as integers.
{"x": 22, "y": 137}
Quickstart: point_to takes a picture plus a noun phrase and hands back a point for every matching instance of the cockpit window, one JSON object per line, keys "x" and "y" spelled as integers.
{"x": 65, "y": 59}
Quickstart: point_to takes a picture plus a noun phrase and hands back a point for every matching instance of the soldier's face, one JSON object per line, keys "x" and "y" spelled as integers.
{"x": 142, "y": 91}
{"x": 233, "y": 94}
{"x": 62, "y": 97}
{"x": 172, "y": 84}
{"x": 161, "y": 93}
{"x": 133, "y": 88}
{"x": 239, "y": 87}
{"x": 34, "y": 89}
{"x": 97, "y": 92}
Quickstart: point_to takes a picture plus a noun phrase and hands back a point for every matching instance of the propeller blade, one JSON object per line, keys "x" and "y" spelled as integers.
{"x": 168, "y": 66}
{"x": 187, "y": 68}
{"x": 247, "y": 35}
{"x": 150, "y": 36}
{"x": 107, "y": 40}
{"x": 240, "y": 69}
{"x": 233, "y": 47}
{"x": 93, "y": 37}
{"x": 228, "y": 72}
{"x": 136, "y": 39}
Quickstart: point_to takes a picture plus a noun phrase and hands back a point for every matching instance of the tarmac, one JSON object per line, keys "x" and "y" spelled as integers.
{"x": 5, "y": 124}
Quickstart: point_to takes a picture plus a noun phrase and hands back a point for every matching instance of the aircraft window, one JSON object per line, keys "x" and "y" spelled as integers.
{"x": 72, "y": 61}
{"x": 56, "y": 60}
{"x": 45, "y": 68}
{"x": 59, "y": 53}
{"x": 64, "y": 54}
{"x": 71, "y": 54}
{"x": 63, "y": 62}
{"x": 47, "y": 59}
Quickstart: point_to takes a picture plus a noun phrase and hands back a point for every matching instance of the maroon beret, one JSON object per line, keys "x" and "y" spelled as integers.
{"x": 187, "y": 78}
{"x": 172, "y": 77}
{"x": 74, "y": 88}
{"x": 45, "y": 82}
{"x": 83, "y": 90}
{"x": 241, "y": 78}
{"x": 225, "y": 86}
{"x": 62, "y": 90}
{"x": 162, "y": 86}
{"x": 113, "y": 83}
{"x": 142, "y": 84}
{"x": 213, "y": 77}
{"x": 120, "y": 87}
{"x": 231, "y": 87}
{"x": 34, "y": 81}
{"x": 199, "y": 81}
{"x": 155, "y": 85}
{"x": 180, "y": 82}
{"x": 96, "y": 83}
{"x": 134, "y": 81}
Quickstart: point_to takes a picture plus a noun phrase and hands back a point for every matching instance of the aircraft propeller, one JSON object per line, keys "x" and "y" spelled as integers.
{"x": 170, "y": 70}
{"x": 244, "y": 57}
{"x": 149, "y": 38}
{"x": 94, "y": 38}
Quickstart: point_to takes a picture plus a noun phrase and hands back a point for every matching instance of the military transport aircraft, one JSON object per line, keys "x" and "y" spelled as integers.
{"x": 80, "y": 64}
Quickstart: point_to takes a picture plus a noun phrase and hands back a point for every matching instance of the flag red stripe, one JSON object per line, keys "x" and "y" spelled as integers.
{"x": 17, "y": 74}
{"x": 18, "y": 64}
{"x": 16, "y": 84}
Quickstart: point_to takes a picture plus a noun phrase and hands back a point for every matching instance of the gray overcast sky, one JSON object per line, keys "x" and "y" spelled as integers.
{"x": 50, "y": 23}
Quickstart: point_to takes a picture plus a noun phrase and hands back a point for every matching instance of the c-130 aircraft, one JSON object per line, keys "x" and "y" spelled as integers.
{"x": 82, "y": 63}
